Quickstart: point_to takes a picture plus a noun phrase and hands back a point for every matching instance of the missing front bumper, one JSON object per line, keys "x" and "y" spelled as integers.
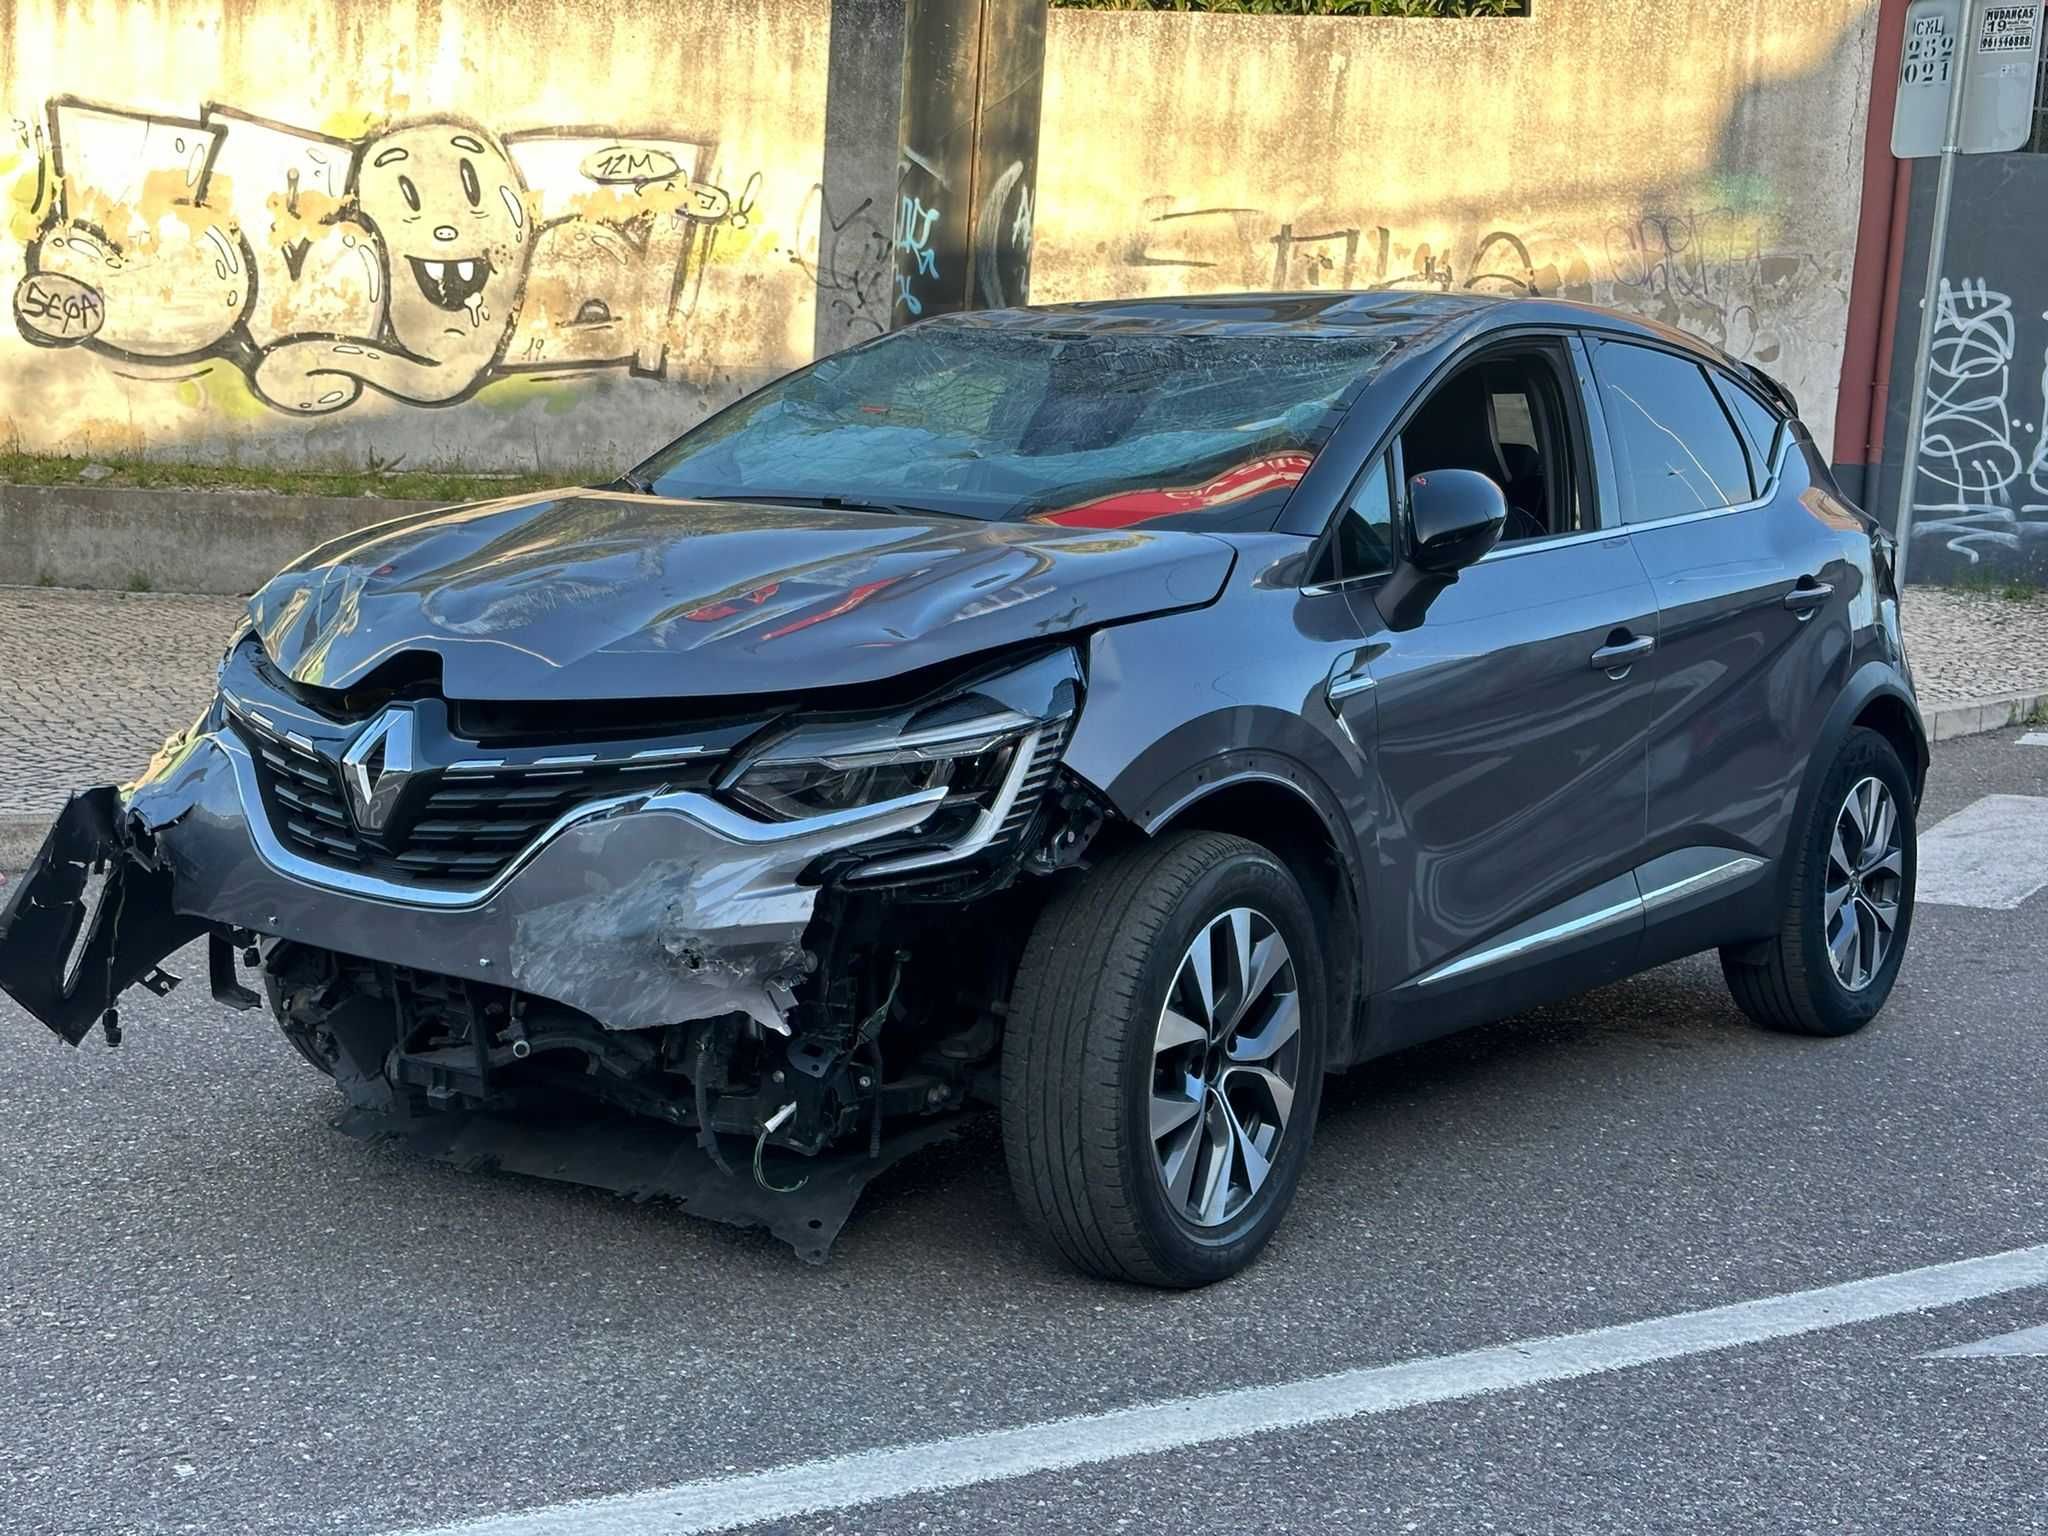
{"x": 645, "y": 914}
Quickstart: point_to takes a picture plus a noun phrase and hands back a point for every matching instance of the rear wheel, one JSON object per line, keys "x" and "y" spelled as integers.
{"x": 1163, "y": 1061}
{"x": 1848, "y": 907}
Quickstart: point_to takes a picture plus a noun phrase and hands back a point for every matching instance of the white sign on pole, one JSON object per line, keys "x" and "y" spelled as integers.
{"x": 1927, "y": 68}
{"x": 2005, "y": 57}
{"x": 1997, "y": 53}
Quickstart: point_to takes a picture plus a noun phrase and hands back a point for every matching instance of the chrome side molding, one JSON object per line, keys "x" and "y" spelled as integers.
{"x": 1662, "y": 883}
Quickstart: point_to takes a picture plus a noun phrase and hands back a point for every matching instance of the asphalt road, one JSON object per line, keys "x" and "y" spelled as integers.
{"x": 217, "y": 1314}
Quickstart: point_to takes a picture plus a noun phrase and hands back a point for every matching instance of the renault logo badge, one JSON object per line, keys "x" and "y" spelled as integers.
{"x": 376, "y": 768}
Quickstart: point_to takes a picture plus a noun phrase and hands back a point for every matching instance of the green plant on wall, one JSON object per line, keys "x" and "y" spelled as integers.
{"x": 1314, "y": 7}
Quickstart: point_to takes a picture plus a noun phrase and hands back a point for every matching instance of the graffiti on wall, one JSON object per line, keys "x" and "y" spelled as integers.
{"x": 1983, "y": 480}
{"x": 853, "y": 267}
{"x": 914, "y": 241}
{"x": 1003, "y": 230}
{"x": 1710, "y": 270}
{"x": 417, "y": 261}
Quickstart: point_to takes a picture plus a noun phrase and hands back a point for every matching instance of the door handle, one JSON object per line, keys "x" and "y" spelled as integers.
{"x": 1806, "y": 598}
{"x": 1351, "y": 674}
{"x": 1348, "y": 678}
{"x": 1617, "y": 656}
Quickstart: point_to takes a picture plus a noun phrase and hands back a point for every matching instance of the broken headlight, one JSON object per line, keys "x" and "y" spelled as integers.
{"x": 820, "y": 770}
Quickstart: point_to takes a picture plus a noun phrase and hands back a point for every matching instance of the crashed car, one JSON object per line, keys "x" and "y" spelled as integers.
{"x": 1120, "y": 715}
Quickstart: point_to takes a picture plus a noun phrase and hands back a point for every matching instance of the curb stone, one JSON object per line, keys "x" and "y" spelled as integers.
{"x": 1973, "y": 717}
{"x": 21, "y": 836}
{"x": 218, "y": 542}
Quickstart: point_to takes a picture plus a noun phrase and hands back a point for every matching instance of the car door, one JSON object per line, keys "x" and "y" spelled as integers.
{"x": 1511, "y": 732}
{"x": 1753, "y": 592}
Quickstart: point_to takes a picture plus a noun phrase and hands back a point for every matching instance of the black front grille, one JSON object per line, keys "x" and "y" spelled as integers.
{"x": 473, "y": 820}
{"x": 302, "y": 792}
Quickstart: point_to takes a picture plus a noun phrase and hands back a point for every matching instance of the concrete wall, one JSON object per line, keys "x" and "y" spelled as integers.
{"x": 1980, "y": 508}
{"x": 495, "y": 233}
{"x": 1693, "y": 160}
{"x": 627, "y": 213}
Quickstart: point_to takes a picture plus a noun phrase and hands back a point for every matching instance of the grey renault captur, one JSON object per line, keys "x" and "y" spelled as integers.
{"x": 1118, "y": 714}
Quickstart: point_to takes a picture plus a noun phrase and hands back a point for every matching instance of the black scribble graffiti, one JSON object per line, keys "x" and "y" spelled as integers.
{"x": 1311, "y": 261}
{"x": 1705, "y": 270}
{"x": 852, "y": 268}
{"x": 1160, "y": 211}
{"x": 418, "y": 261}
{"x": 1707, "y": 273}
{"x": 1502, "y": 265}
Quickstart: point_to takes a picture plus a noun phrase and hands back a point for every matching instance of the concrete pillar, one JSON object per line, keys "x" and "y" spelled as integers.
{"x": 856, "y": 212}
{"x": 967, "y": 167}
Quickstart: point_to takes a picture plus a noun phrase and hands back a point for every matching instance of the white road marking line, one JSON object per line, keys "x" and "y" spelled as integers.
{"x": 868, "y": 1477}
{"x": 1993, "y": 854}
{"x": 2028, "y": 1341}
{"x": 2035, "y": 739}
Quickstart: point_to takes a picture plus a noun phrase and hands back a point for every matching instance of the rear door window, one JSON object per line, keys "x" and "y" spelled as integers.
{"x": 1760, "y": 424}
{"x": 1675, "y": 449}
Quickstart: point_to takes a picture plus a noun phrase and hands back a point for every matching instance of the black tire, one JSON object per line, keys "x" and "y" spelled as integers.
{"x": 1789, "y": 982}
{"x": 1079, "y": 1059}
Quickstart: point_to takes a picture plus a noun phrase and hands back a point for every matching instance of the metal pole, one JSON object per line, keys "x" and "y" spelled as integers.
{"x": 1937, "y": 254}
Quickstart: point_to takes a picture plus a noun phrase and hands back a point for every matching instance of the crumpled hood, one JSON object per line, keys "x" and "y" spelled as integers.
{"x": 603, "y": 595}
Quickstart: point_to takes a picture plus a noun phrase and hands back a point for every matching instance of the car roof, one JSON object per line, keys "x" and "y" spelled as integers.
{"x": 1410, "y": 318}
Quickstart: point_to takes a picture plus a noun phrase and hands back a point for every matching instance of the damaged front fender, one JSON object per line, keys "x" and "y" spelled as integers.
{"x": 92, "y": 917}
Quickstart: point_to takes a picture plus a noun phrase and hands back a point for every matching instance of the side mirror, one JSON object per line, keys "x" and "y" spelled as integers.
{"x": 1454, "y": 517}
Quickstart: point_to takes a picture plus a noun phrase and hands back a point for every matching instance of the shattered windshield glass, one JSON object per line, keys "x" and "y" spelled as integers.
{"x": 1082, "y": 430}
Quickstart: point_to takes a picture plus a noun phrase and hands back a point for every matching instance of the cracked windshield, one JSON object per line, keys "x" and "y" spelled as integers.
{"x": 1085, "y": 431}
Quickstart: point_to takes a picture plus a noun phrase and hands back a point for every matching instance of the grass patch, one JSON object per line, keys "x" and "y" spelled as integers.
{"x": 395, "y": 484}
{"x": 1450, "y": 8}
{"x": 1982, "y": 583}
{"x": 140, "y": 583}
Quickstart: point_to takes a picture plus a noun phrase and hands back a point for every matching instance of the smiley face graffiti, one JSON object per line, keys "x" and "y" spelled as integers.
{"x": 415, "y": 263}
{"x": 450, "y": 213}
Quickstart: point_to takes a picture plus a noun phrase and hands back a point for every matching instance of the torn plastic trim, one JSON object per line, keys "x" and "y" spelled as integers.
{"x": 65, "y": 961}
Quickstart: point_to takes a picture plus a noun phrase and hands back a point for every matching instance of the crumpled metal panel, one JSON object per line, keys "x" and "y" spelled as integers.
{"x": 597, "y": 595}
{"x": 639, "y": 917}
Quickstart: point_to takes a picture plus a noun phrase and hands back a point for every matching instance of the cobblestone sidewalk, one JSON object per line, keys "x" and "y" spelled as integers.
{"x": 92, "y": 682}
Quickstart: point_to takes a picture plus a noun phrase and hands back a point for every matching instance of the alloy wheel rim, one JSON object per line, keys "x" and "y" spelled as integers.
{"x": 1866, "y": 882}
{"x": 1226, "y": 1057}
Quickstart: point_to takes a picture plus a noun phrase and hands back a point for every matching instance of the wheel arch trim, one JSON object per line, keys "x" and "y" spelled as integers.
{"x": 1172, "y": 802}
{"x": 1872, "y": 682}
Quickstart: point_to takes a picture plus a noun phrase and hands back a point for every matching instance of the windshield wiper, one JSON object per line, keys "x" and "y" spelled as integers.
{"x": 629, "y": 481}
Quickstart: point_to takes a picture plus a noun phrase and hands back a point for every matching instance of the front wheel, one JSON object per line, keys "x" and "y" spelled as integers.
{"x": 1163, "y": 1061}
{"x": 1848, "y": 902}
